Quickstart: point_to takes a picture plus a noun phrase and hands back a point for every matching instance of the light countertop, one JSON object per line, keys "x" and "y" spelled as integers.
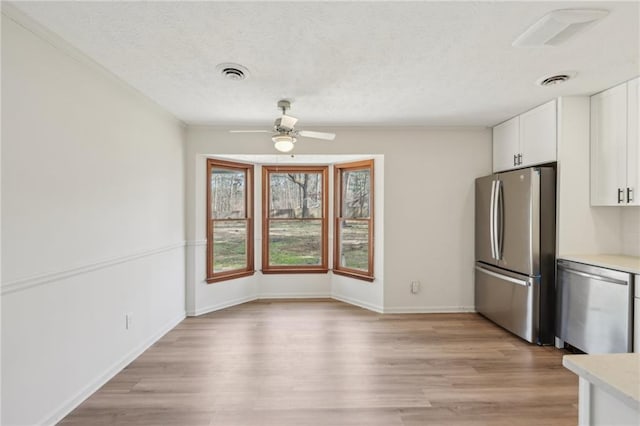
{"x": 612, "y": 261}
{"x": 617, "y": 374}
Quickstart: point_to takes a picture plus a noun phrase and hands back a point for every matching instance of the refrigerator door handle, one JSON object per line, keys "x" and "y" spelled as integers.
{"x": 492, "y": 220}
{"x": 499, "y": 219}
{"x": 496, "y": 221}
{"x": 503, "y": 277}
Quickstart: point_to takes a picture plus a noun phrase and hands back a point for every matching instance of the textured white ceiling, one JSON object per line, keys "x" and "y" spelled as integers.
{"x": 344, "y": 63}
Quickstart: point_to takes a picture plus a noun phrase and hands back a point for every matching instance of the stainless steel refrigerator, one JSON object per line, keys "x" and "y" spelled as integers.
{"x": 515, "y": 251}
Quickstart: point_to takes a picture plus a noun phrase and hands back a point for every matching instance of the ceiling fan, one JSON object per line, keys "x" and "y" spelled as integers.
{"x": 284, "y": 134}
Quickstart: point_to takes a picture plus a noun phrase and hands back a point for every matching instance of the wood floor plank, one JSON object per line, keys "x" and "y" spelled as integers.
{"x": 323, "y": 362}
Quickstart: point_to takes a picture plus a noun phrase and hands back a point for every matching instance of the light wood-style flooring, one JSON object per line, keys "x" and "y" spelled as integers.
{"x": 323, "y": 362}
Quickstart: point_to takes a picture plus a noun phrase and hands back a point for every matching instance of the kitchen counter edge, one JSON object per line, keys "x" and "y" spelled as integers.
{"x": 630, "y": 264}
{"x": 617, "y": 374}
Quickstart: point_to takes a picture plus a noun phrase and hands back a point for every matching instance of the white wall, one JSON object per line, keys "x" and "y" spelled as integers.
{"x": 92, "y": 224}
{"x": 430, "y": 224}
{"x": 631, "y": 231}
{"x": 426, "y": 228}
{"x": 581, "y": 228}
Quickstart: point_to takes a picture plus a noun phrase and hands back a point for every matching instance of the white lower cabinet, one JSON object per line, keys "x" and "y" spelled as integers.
{"x": 597, "y": 407}
{"x": 608, "y": 388}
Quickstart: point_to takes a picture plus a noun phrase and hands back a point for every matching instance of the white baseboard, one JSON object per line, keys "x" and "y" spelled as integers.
{"x": 69, "y": 405}
{"x": 429, "y": 310}
{"x": 241, "y": 300}
{"x": 295, "y": 296}
{"x": 345, "y": 299}
{"x": 218, "y": 306}
{"x": 365, "y": 305}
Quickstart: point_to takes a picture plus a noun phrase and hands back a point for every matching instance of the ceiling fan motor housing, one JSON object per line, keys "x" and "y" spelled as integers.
{"x": 285, "y": 123}
{"x": 284, "y": 105}
{"x": 278, "y": 127}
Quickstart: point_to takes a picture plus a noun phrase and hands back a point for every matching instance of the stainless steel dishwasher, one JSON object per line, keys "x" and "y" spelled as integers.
{"x": 595, "y": 308}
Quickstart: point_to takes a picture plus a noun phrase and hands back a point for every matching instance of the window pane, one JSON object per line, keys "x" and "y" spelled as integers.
{"x": 229, "y": 245}
{"x": 228, "y": 194}
{"x": 295, "y": 242}
{"x": 295, "y": 195}
{"x": 355, "y": 195}
{"x": 354, "y": 244}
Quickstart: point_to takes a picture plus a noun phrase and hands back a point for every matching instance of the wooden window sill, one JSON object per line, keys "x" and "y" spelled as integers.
{"x": 229, "y": 276}
{"x": 355, "y": 275}
{"x": 294, "y": 271}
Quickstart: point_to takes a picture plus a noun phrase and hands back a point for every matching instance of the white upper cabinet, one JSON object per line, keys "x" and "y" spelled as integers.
{"x": 633, "y": 142}
{"x": 527, "y": 139}
{"x": 538, "y": 135}
{"x": 614, "y": 146}
{"x": 506, "y": 144}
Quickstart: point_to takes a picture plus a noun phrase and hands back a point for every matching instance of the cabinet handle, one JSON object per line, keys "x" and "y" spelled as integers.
{"x": 620, "y": 196}
{"x": 629, "y": 195}
{"x": 519, "y": 159}
{"x": 515, "y": 160}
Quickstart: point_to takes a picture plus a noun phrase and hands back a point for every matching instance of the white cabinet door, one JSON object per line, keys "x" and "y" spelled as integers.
{"x": 527, "y": 139}
{"x": 609, "y": 146}
{"x": 506, "y": 144}
{"x": 633, "y": 143}
{"x": 538, "y": 135}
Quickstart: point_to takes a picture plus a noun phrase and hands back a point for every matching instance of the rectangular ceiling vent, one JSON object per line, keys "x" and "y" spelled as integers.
{"x": 558, "y": 26}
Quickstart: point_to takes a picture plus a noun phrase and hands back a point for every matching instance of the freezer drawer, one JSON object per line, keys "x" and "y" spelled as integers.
{"x": 595, "y": 308}
{"x": 510, "y": 300}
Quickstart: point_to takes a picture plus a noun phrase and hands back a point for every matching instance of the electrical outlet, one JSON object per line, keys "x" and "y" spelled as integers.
{"x": 415, "y": 287}
{"x": 128, "y": 321}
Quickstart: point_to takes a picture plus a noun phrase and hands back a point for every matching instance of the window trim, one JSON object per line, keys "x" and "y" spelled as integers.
{"x": 323, "y": 267}
{"x": 212, "y": 276}
{"x": 337, "y": 205}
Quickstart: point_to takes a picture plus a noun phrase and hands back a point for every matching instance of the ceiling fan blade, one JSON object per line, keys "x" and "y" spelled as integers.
{"x": 287, "y": 121}
{"x": 250, "y": 131}
{"x": 317, "y": 135}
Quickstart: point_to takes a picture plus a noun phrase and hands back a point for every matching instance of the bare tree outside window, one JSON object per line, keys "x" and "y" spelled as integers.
{"x": 353, "y": 250}
{"x": 229, "y": 221}
{"x": 295, "y": 226}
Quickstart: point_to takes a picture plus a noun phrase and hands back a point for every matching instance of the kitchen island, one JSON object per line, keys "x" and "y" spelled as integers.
{"x": 608, "y": 389}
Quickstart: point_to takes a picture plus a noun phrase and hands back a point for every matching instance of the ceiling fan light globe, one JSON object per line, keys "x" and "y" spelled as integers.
{"x": 283, "y": 143}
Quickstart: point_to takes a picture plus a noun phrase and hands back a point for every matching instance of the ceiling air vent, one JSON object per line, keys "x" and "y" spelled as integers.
{"x": 559, "y": 78}
{"x": 232, "y": 71}
{"x": 554, "y": 79}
